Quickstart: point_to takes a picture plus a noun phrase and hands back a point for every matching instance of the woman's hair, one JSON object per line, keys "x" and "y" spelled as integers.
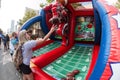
{"x": 22, "y": 36}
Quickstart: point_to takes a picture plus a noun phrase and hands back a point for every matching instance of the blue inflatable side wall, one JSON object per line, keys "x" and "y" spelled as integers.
{"x": 31, "y": 21}
{"x": 104, "y": 42}
{"x": 43, "y": 22}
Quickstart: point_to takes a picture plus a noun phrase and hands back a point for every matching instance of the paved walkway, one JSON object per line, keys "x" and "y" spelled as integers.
{"x": 7, "y": 69}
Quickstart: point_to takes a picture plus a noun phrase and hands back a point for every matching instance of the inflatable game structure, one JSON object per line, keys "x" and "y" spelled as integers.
{"x": 93, "y": 45}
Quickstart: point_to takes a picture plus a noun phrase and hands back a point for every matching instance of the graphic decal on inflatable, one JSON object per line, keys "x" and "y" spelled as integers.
{"x": 117, "y": 18}
{"x": 115, "y": 68}
{"x": 111, "y": 2}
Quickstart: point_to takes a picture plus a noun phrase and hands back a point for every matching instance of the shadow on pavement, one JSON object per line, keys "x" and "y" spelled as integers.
{"x": 7, "y": 68}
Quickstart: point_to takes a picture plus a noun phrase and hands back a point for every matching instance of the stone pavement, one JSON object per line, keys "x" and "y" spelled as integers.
{"x": 7, "y": 69}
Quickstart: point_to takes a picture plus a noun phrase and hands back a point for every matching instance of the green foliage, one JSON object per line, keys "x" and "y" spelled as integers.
{"x": 118, "y": 4}
{"x": 49, "y": 1}
{"x": 42, "y": 5}
{"x": 28, "y": 14}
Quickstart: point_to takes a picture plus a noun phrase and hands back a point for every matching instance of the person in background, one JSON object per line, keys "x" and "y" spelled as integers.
{"x": 34, "y": 37}
{"x": 13, "y": 43}
{"x": 4, "y": 43}
{"x": 27, "y": 45}
{"x": 14, "y": 40}
{"x": 7, "y": 41}
{"x": 30, "y": 33}
{"x": 0, "y": 42}
{"x": 11, "y": 46}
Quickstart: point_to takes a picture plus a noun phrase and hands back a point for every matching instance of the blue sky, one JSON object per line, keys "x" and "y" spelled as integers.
{"x": 14, "y": 10}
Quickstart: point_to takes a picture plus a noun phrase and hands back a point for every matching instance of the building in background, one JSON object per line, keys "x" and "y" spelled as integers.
{"x": 0, "y": 3}
{"x": 15, "y": 27}
{"x": 12, "y": 26}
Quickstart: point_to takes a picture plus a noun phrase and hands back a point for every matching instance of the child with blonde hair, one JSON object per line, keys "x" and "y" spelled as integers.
{"x": 27, "y": 46}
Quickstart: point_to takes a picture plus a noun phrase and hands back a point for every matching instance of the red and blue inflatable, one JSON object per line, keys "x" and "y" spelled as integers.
{"x": 103, "y": 61}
